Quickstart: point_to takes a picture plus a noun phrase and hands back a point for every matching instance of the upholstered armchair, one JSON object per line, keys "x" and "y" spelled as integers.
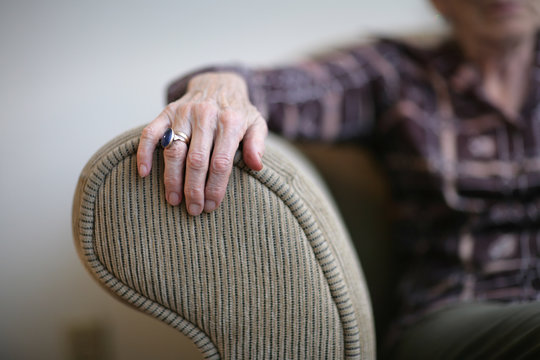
{"x": 271, "y": 274}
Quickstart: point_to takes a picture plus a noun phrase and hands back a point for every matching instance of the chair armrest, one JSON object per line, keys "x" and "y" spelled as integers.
{"x": 271, "y": 273}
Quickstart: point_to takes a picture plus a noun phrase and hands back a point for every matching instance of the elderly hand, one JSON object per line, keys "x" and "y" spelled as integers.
{"x": 215, "y": 113}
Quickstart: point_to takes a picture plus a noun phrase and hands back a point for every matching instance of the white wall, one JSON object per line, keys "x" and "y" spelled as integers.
{"x": 73, "y": 75}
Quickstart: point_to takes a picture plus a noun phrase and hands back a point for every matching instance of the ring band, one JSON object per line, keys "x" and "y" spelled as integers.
{"x": 170, "y": 136}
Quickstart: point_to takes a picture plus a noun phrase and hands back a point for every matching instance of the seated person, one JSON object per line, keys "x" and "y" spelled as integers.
{"x": 457, "y": 129}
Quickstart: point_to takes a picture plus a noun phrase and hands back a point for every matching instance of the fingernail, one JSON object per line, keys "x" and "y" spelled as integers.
{"x": 194, "y": 209}
{"x": 174, "y": 199}
{"x": 209, "y": 205}
{"x": 142, "y": 170}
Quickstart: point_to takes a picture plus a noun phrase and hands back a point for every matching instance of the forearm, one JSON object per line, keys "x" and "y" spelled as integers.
{"x": 333, "y": 98}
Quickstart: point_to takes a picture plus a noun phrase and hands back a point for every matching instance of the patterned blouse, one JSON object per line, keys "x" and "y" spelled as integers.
{"x": 464, "y": 175}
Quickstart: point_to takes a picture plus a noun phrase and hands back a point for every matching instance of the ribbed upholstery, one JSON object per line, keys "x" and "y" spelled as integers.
{"x": 271, "y": 274}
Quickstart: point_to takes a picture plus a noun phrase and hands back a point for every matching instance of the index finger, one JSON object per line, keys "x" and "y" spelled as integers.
{"x": 150, "y": 136}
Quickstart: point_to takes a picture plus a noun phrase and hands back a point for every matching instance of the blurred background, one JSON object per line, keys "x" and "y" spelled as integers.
{"x": 74, "y": 74}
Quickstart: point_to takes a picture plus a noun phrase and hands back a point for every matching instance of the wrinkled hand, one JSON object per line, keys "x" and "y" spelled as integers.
{"x": 216, "y": 115}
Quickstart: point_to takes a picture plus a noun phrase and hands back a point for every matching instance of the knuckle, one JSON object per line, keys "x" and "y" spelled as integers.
{"x": 148, "y": 134}
{"x": 182, "y": 110}
{"x": 221, "y": 163}
{"x": 173, "y": 153}
{"x": 171, "y": 180}
{"x": 205, "y": 109}
{"x": 215, "y": 192}
{"x": 197, "y": 160}
{"x": 194, "y": 192}
{"x": 170, "y": 109}
{"x": 228, "y": 118}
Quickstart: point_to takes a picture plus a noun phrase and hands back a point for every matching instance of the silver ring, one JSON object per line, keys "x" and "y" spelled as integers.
{"x": 170, "y": 136}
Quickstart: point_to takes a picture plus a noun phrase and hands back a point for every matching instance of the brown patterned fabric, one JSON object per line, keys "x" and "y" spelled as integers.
{"x": 465, "y": 176}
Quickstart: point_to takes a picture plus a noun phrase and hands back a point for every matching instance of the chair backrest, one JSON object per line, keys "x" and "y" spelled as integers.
{"x": 271, "y": 273}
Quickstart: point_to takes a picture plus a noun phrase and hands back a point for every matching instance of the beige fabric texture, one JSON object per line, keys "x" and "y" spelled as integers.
{"x": 271, "y": 274}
